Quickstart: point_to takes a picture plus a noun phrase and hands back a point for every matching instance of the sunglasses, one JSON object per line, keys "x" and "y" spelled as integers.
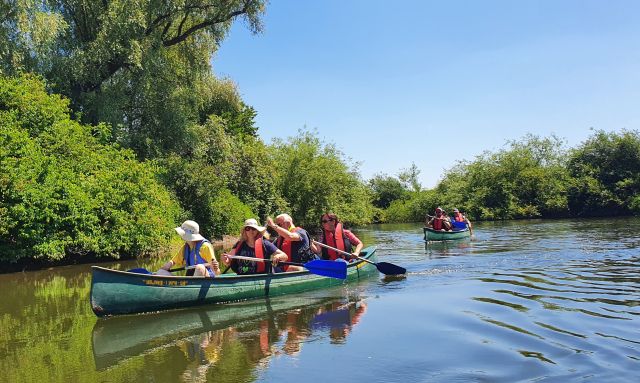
{"x": 328, "y": 220}
{"x": 250, "y": 229}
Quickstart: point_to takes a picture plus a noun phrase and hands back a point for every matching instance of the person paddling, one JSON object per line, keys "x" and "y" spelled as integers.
{"x": 460, "y": 217}
{"x": 440, "y": 221}
{"x": 197, "y": 250}
{"x": 334, "y": 235}
{"x": 293, "y": 241}
{"x": 253, "y": 244}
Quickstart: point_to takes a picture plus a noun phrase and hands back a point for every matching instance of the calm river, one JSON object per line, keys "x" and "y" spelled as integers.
{"x": 522, "y": 301}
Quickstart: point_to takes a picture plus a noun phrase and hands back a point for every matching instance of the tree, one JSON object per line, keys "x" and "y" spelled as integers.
{"x": 409, "y": 178}
{"x": 314, "y": 177}
{"x": 386, "y": 189}
{"x": 141, "y": 66}
{"x": 606, "y": 172}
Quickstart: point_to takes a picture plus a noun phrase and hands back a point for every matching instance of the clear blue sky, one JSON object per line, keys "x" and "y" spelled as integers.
{"x": 431, "y": 82}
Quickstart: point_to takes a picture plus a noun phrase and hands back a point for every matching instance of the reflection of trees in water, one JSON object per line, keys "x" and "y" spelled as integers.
{"x": 238, "y": 352}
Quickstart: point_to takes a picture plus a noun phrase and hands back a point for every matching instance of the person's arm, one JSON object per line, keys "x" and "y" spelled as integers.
{"x": 226, "y": 260}
{"x": 284, "y": 233}
{"x": 210, "y": 256}
{"x": 315, "y": 248}
{"x": 276, "y": 255}
{"x": 177, "y": 259}
{"x": 354, "y": 240}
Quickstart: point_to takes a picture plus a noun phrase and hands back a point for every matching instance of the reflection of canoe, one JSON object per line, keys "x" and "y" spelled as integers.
{"x": 435, "y": 235}
{"x": 119, "y": 338}
{"x": 120, "y": 292}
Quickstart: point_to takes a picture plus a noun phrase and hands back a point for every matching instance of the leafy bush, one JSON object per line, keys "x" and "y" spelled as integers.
{"x": 64, "y": 193}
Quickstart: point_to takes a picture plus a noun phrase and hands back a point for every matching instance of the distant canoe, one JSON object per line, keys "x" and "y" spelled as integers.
{"x": 115, "y": 292}
{"x": 436, "y": 235}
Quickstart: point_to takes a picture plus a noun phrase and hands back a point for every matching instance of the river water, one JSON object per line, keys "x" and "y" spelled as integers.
{"x": 534, "y": 301}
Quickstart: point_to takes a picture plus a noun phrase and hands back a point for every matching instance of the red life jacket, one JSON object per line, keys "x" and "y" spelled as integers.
{"x": 458, "y": 217}
{"x": 437, "y": 223}
{"x": 284, "y": 244}
{"x": 259, "y": 253}
{"x": 337, "y": 240}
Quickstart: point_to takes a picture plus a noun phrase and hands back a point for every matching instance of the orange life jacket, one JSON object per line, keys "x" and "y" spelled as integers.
{"x": 437, "y": 223}
{"x": 259, "y": 253}
{"x": 337, "y": 240}
{"x": 284, "y": 244}
{"x": 458, "y": 217}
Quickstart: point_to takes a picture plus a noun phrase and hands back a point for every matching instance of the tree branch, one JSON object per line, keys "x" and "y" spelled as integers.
{"x": 181, "y": 37}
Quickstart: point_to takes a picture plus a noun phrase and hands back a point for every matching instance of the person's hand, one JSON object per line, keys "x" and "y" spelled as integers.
{"x": 214, "y": 264}
{"x": 167, "y": 265}
{"x": 275, "y": 261}
{"x": 270, "y": 223}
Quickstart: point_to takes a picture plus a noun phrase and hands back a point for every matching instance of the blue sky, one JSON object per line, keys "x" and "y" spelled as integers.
{"x": 433, "y": 82}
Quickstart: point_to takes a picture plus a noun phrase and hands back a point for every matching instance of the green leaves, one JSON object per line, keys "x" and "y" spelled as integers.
{"x": 606, "y": 174}
{"x": 63, "y": 192}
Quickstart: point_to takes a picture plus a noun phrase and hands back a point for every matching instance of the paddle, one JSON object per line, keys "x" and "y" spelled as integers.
{"x": 385, "y": 268}
{"x": 317, "y": 266}
{"x": 142, "y": 270}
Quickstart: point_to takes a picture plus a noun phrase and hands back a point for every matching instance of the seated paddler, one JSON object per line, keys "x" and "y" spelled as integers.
{"x": 254, "y": 243}
{"x": 293, "y": 241}
{"x": 336, "y": 236}
{"x": 197, "y": 251}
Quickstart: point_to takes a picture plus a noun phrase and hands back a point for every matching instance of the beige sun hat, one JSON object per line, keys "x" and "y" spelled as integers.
{"x": 189, "y": 231}
{"x": 254, "y": 224}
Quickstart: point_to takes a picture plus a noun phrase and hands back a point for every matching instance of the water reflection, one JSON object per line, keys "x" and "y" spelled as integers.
{"x": 242, "y": 336}
{"x": 436, "y": 249}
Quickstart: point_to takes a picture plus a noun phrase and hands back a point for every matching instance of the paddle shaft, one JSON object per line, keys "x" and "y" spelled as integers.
{"x": 343, "y": 252}
{"x": 262, "y": 260}
{"x": 188, "y": 267}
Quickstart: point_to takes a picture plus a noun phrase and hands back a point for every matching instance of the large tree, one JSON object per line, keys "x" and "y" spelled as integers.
{"x": 141, "y": 65}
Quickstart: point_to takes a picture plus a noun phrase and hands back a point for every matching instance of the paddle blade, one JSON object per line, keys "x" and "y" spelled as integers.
{"x": 387, "y": 268}
{"x": 331, "y": 269}
{"x": 140, "y": 270}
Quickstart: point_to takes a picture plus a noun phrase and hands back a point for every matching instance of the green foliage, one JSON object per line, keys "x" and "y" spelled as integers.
{"x": 414, "y": 208}
{"x": 386, "y": 189}
{"x": 606, "y": 174}
{"x": 313, "y": 177}
{"x": 143, "y": 67}
{"x": 528, "y": 179}
{"x": 62, "y": 192}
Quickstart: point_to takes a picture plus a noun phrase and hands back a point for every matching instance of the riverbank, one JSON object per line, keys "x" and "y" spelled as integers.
{"x": 29, "y": 264}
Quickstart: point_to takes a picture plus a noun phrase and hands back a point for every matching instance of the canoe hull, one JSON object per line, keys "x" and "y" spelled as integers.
{"x": 116, "y": 292}
{"x": 435, "y": 235}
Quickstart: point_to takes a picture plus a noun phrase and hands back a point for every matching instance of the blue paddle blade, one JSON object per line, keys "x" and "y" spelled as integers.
{"x": 459, "y": 225}
{"x": 140, "y": 270}
{"x": 327, "y": 268}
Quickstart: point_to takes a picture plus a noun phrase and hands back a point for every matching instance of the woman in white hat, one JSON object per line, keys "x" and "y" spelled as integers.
{"x": 253, "y": 244}
{"x": 197, "y": 251}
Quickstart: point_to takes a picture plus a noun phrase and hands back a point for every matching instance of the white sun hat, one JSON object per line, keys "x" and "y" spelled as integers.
{"x": 254, "y": 224}
{"x": 189, "y": 231}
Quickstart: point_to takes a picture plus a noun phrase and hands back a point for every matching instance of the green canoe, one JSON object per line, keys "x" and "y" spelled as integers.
{"x": 435, "y": 235}
{"x": 115, "y": 292}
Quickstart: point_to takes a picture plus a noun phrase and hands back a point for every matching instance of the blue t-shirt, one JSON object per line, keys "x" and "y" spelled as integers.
{"x": 243, "y": 267}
